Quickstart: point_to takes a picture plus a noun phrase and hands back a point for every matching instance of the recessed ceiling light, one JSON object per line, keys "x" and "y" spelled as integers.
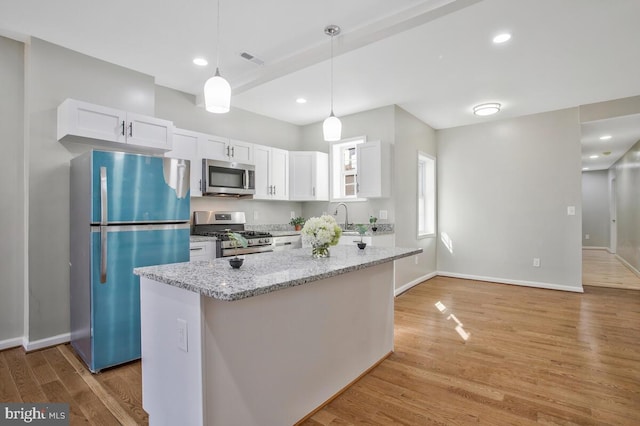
{"x": 605, "y": 137}
{"x": 501, "y": 38}
{"x": 585, "y": 168}
{"x": 301, "y": 100}
{"x": 593, "y": 156}
{"x": 486, "y": 109}
{"x": 201, "y": 62}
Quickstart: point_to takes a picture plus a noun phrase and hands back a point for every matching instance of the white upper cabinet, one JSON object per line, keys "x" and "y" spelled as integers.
{"x": 225, "y": 149}
{"x": 272, "y": 173}
{"x": 374, "y": 169}
{"x": 185, "y": 147}
{"x": 79, "y": 121}
{"x": 308, "y": 176}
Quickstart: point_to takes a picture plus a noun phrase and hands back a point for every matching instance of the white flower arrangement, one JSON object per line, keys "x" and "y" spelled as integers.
{"x": 321, "y": 231}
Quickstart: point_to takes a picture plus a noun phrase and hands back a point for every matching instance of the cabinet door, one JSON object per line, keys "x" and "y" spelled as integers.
{"x": 241, "y": 152}
{"x": 149, "y": 132}
{"x": 185, "y": 146}
{"x": 302, "y": 182}
{"x": 213, "y": 148}
{"x": 76, "y": 118}
{"x": 373, "y": 170}
{"x": 279, "y": 174}
{"x": 261, "y": 160}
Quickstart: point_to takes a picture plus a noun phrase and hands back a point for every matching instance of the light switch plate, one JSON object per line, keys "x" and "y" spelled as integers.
{"x": 571, "y": 210}
{"x": 256, "y": 215}
{"x": 383, "y": 214}
{"x": 183, "y": 338}
{"x": 293, "y": 214}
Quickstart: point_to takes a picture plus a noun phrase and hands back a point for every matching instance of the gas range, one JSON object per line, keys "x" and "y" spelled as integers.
{"x": 218, "y": 224}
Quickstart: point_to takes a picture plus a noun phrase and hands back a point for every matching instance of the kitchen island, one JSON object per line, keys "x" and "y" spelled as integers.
{"x": 266, "y": 344}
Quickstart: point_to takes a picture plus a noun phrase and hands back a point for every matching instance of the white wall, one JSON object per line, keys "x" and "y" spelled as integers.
{"x": 627, "y": 187}
{"x": 12, "y": 215}
{"x": 504, "y": 188}
{"x": 595, "y": 208}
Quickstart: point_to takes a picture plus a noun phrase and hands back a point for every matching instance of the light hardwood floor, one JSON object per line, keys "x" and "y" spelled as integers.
{"x": 602, "y": 269}
{"x": 532, "y": 356}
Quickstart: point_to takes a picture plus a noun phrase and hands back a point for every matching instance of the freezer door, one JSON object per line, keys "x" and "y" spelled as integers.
{"x": 115, "y": 304}
{"x": 127, "y": 188}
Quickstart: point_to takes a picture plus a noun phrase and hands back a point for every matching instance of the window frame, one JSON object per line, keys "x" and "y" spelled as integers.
{"x": 340, "y": 173}
{"x": 428, "y": 199}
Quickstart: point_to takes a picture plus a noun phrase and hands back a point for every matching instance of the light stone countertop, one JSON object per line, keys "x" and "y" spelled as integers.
{"x": 266, "y": 272}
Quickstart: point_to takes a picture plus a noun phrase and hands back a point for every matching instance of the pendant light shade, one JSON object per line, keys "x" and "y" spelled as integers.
{"x": 217, "y": 94}
{"x": 217, "y": 90}
{"x": 332, "y": 127}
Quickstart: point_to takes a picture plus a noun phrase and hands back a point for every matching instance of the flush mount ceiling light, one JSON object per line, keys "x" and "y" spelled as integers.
{"x": 593, "y": 157}
{"x": 332, "y": 127}
{"x": 585, "y": 168}
{"x": 486, "y": 109}
{"x": 605, "y": 137}
{"x": 217, "y": 90}
{"x": 201, "y": 62}
{"x": 301, "y": 100}
{"x": 501, "y": 38}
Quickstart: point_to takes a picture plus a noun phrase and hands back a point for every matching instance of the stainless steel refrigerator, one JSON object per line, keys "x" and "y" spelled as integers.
{"x": 127, "y": 210}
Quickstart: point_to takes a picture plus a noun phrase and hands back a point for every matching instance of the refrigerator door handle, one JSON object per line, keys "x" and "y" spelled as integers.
{"x": 103, "y": 224}
{"x": 103, "y": 254}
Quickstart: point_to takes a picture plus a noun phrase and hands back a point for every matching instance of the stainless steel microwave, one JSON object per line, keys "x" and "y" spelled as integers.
{"x": 228, "y": 179}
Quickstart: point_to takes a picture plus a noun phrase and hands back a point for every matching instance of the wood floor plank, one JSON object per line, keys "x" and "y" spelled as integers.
{"x": 56, "y": 392}
{"x": 26, "y": 383}
{"x": 602, "y": 269}
{"x": 8, "y": 389}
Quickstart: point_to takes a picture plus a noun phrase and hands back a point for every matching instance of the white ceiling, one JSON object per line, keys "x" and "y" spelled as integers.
{"x": 433, "y": 58}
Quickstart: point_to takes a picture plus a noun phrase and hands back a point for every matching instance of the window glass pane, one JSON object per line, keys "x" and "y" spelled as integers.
{"x": 426, "y": 198}
{"x": 350, "y": 190}
{"x": 349, "y": 179}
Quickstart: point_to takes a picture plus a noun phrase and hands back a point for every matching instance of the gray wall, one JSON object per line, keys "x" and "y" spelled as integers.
{"x": 627, "y": 187}
{"x": 12, "y": 190}
{"x": 55, "y": 74}
{"x": 504, "y": 188}
{"x": 595, "y": 208}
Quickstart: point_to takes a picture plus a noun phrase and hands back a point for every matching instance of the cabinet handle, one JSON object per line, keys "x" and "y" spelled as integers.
{"x": 122, "y": 131}
{"x": 228, "y": 151}
{"x": 131, "y": 129}
{"x": 197, "y": 249}
{"x": 313, "y": 191}
{"x": 274, "y": 190}
{"x": 233, "y": 151}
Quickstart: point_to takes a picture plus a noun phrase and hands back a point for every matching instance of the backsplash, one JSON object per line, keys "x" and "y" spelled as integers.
{"x": 382, "y": 227}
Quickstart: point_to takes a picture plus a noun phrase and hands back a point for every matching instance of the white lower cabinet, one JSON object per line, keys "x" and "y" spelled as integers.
{"x": 204, "y": 250}
{"x": 84, "y": 122}
{"x": 383, "y": 240}
{"x": 308, "y": 176}
{"x": 272, "y": 173}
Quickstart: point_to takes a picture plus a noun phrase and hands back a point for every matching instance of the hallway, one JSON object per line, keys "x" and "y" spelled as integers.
{"x": 602, "y": 269}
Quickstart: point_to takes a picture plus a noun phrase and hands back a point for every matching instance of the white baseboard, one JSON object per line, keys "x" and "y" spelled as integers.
{"x": 44, "y": 343}
{"x": 514, "y": 282}
{"x": 10, "y": 343}
{"x": 628, "y": 265}
{"x": 610, "y": 250}
{"x": 594, "y": 248}
{"x": 398, "y": 291}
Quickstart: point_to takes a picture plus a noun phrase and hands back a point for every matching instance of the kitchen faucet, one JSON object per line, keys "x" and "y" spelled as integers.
{"x": 346, "y": 214}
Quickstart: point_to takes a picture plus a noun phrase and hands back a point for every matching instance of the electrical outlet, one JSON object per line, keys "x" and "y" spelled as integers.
{"x": 293, "y": 214}
{"x": 415, "y": 258}
{"x": 536, "y": 262}
{"x": 256, "y": 215}
{"x": 183, "y": 338}
{"x": 383, "y": 214}
{"x": 587, "y": 236}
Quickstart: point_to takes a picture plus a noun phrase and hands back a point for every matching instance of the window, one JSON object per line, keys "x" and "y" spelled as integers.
{"x": 344, "y": 169}
{"x": 426, "y": 195}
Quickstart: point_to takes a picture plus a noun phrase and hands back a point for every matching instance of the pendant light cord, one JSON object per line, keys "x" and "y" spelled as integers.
{"x": 218, "y": 38}
{"x": 332, "y": 74}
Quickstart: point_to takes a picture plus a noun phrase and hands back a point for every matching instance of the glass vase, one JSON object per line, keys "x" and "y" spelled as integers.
{"x": 320, "y": 250}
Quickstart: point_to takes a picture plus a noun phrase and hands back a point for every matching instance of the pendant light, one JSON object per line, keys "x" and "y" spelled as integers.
{"x": 332, "y": 127}
{"x": 217, "y": 91}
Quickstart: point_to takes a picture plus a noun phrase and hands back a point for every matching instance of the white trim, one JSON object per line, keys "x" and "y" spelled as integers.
{"x": 398, "y": 291}
{"x": 514, "y": 282}
{"x": 25, "y": 153}
{"x": 594, "y": 248}
{"x": 610, "y": 250}
{"x": 10, "y": 343}
{"x": 628, "y": 265}
{"x": 44, "y": 343}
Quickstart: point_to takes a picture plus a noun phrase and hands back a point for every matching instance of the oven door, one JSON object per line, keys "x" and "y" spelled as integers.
{"x": 222, "y": 178}
{"x": 227, "y": 252}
